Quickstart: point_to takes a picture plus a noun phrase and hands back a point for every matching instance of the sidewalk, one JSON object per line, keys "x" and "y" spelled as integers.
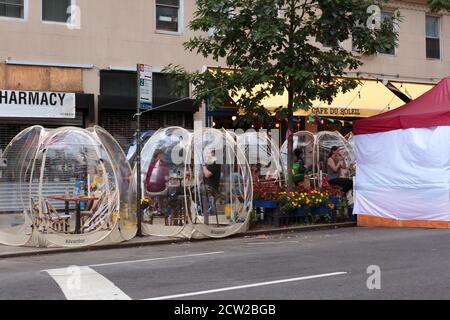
{"x": 15, "y": 252}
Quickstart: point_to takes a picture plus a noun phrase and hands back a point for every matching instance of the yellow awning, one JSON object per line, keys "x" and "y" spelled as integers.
{"x": 369, "y": 98}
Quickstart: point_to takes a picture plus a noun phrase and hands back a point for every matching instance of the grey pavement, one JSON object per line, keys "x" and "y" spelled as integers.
{"x": 414, "y": 263}
{"x": 10, "y": 251}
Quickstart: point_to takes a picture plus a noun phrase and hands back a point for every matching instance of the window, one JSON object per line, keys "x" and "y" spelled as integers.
{"x": 163, "y": 87}
{"x": 12, "y": 8}
{"x": 118, "y": 83}
{"x": 432, "y": 37}
{"x": 387, "y": 15}
{"x": 124, "y": 84}
{"x": 168, "y": 15}
{"x": 55, "y": 10}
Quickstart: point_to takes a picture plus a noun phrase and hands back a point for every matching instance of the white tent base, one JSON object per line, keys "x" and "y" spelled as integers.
{"x": 372, "y": 221}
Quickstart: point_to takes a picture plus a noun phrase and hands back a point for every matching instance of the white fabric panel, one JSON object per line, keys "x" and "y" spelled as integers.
{"x": 404, "y": 174}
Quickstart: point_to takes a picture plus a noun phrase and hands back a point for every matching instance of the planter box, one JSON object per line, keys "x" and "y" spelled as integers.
{"x": 266, "y": 204}
{"x": 302, "y": 212}
{"x": 335, "y": 200}
{"x": 321, "y": 211}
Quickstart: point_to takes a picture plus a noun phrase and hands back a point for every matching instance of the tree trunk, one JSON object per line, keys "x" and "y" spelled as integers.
{"x": 290, "y": 151}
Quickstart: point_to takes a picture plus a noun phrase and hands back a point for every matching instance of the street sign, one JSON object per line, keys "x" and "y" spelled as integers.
{"x": 145, "y": 86}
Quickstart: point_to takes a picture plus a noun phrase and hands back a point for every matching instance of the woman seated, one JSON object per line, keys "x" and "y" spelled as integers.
{"x": 156, "y": 180}
{"x": 335, "y": 164}
{"x": 157, "y": 174}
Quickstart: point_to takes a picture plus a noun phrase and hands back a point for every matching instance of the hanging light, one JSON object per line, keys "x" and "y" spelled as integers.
{"x": 277, "y": 125}
{"x": 233, "y": 118}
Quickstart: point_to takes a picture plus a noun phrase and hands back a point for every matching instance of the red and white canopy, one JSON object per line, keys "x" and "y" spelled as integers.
{"x": 403, "y": 163}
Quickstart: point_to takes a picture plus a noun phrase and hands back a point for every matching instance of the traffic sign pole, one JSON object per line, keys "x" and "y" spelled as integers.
{"x": 138, "y": 154}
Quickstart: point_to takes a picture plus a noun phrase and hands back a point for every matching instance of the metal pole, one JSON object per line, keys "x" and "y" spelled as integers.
{"x": 138, "y": 155}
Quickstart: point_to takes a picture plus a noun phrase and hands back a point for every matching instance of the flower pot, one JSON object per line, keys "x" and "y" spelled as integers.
{"x": 266, "y": 204}
{"x": 302, "y": 212}
{"x": 321, "y": 211}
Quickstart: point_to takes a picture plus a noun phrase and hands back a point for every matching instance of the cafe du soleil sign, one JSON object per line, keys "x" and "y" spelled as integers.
{"x": 37, "y": 104}
{"x": 349, "y": 112}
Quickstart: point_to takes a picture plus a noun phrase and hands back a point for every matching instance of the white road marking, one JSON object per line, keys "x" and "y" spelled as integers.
{"x": 271, "y": 242}
{"x": 84, "y": 283}
{"x": 268, "y": 283}
{"x": 156, "y": 259}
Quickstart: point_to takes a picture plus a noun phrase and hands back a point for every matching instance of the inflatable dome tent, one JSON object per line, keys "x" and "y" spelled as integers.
{"x": 163, "y": 165}
{"x": 263, "y": 156}
{"x": 303, "y": 149}
{"x": 195, "y": 185}
{"x": 312, "y": 150}
{"x": 403, "y": 159}
{"x": 67, "y": 187}
{"x": 325, "y": 140}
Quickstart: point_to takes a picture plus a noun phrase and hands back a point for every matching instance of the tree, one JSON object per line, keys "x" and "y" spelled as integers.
{"x": 276, "y": 46}
{"x": 437, "y": 5}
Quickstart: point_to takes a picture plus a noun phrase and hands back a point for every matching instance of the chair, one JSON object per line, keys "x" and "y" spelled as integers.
{"x": 179, "y": 216}
{"x": 57, "y": 222}
{"x": 160, "y": 198}
{"x": 93, "y": 206}
{"x": 100, "y": 216}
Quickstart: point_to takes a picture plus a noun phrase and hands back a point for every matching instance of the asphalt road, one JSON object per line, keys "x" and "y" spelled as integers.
{"x": 414, "y": 264}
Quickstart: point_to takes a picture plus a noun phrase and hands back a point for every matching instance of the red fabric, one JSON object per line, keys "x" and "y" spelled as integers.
{"x": 155, "y": 180}
{"x": 432, "y": 109}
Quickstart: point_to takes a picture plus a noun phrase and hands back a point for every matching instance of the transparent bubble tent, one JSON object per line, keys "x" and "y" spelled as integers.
{"x": 263, "y": 156}
{"x": 313, "y": 150}
{"x": 65, "y": 187}
{"x": 303, "y": 152}
{"x": 195, "y": 184}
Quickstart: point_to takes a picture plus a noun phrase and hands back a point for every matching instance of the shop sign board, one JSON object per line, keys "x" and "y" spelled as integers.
{"x": 37, "y": 104}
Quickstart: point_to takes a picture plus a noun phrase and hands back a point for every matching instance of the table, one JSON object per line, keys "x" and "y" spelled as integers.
{"x": 77, "y": 199}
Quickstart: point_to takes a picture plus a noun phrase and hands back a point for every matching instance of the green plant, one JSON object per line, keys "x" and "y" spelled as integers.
{"x": 254, "y": 218}
{"x": 313, "y": 219}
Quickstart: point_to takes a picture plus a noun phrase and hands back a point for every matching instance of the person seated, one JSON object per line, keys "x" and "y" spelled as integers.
{"x": 298, "y": 167}
{"x": 335, "y": 164}
{"x": 156, "y": 179}
{"x": 157, "y": 173}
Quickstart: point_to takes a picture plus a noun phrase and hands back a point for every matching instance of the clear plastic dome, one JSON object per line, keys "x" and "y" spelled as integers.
{"x": 163, "y": 181}
{"x": 303, "y": 155}
{"x": 220, "y": 195}
{"x": 16, "y": 188}
{"x": 311, "y": 153}
{"x": 75, "y": 186}
{"x": 263, "y": 156}
{"x": 325, "y": 140}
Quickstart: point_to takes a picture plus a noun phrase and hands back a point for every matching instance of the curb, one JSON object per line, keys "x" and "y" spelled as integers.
{"x": 175, "y": 241}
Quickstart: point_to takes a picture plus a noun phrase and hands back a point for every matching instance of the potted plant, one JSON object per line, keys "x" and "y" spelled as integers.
{"x": 295, "y": 202}
{"x": 266, "y": 195}
{"x": 319, "y": 201}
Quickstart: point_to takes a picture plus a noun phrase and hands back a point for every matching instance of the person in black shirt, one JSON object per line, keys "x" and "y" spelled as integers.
{"x": 211, "y": 174}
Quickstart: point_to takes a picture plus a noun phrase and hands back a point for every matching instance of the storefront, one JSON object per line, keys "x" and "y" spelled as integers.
{"x": 369, "y": 98}
{"x": 47, "y": 96}
{"x": 117, "y": 105}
